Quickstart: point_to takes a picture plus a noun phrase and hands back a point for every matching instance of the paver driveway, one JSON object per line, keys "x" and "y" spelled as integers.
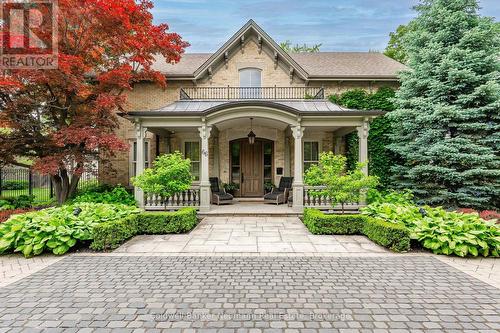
{"x": 240, "y": 294}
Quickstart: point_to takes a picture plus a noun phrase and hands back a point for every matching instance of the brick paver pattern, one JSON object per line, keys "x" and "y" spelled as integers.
{"x": 250, "y": 294}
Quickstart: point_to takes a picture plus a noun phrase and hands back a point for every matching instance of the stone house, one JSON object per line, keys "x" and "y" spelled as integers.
{"x": 213, "y": 100}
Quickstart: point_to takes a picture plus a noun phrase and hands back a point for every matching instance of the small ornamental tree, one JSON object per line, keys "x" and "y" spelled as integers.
{"x": 341, "y": 185}
{"x": 447, "y": 109}
{"x": 170, "y": 174}
{"x": 64, "y": 119}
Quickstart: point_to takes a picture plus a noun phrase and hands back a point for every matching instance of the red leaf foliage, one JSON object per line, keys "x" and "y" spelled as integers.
{"x": 65, "y": 118}
{"x": 485, "y": 214}
{"x": 5, "y": 214}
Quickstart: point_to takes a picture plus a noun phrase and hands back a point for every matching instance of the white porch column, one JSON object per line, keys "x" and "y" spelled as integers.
{"x": 140, "y": 133}
{"x": 298, "y": 171}
{"x": 363, "y": 144}
{"x": 204, "y": 181}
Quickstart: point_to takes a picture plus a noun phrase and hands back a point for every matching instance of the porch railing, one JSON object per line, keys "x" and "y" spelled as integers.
{"x": 265, "y": 93}
{"x": 314, "y": 198}
{"x": 189, "y": 198}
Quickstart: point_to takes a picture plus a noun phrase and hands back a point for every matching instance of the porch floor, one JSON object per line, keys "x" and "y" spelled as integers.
{"x": 250, "y": 207}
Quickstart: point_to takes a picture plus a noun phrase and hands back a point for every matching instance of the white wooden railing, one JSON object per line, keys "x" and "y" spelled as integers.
{"x": 313, "y": 198}
{"x": 189, "y": 198}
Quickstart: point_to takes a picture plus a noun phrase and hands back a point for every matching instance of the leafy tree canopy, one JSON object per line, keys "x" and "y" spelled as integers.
{"x": 342, "y": 185}
{"x": 448, "y": 132}
{"x": 170, "y": 174}
{"x": 290, "y": 48}
{"x": 395, "y": 48}
{"x": 64, "y": 119}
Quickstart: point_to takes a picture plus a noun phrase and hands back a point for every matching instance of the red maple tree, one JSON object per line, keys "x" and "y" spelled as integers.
{"x": 64, "y": 118}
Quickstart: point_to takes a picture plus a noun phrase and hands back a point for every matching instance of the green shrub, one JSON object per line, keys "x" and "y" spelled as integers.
{"x": 380, "y": 158}
{"x": 442, "y": 231}
{"x": 110, "y": 235}
{"x": 15, "y": 184}
{"x": 390, "y": 196}
{"x": 394, "y": 236}
{"x": 22, "y": 201}
{"x": 106, "y": 194}
{"x": 57, "y": 229}
{"x": 180, "y": 221}
{"x": 320, "y": 223}
{"x": 391, "y": 235}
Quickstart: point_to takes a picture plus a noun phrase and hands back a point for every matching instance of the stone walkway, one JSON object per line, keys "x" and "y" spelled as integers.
{"x": 264, "y": 235}
{"x": 249, "y": 294}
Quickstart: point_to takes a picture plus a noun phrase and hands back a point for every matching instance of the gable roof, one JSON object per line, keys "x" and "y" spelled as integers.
{"x": 250, "y": 29}
{"x": 308, "y": 66}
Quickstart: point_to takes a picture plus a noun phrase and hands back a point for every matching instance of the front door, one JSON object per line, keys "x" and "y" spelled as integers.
{"x": 252, "y": 178}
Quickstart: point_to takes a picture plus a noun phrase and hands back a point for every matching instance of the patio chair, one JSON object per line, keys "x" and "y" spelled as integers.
{"x": 279, "y": 195}
{"x": 219, "y": 195}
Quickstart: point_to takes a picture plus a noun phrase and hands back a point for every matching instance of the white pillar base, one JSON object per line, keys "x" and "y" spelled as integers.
{"x": 205, "y": 194}
{"x": 298, "y": 198}
{"x": 139, "y": 197}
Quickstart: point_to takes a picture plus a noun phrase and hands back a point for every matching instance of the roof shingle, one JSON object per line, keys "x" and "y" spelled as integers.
{"x": 324, "y": 64}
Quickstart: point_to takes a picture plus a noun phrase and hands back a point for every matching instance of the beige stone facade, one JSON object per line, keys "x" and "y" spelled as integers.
{"x": 154, "y": 117}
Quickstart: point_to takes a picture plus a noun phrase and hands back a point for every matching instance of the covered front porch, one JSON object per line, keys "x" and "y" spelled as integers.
{"x": 290, "y": 135}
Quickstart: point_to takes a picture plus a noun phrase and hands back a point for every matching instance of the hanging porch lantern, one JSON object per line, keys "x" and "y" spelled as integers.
{"x": 251, "y": 135}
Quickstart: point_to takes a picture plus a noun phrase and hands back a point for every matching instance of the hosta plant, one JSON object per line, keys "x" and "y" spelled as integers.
{"x": 409, "y": 215}
{"x": 442, "y": 231}
{"x": 56, "y": 229}
{"x": 457, "y": 233}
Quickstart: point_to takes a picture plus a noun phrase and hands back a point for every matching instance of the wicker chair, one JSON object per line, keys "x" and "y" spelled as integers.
{"x": 279, "y": 195}
{"x": 219, "y": 195}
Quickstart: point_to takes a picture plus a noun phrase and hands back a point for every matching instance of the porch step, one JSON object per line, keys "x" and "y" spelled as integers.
{"x": 243, "y": 214}
{"x": 244, "y": 209}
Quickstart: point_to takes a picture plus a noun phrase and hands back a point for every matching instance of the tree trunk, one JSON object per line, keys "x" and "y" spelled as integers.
{"x": 64, "y": 187}
{"x": 342, "y": 208}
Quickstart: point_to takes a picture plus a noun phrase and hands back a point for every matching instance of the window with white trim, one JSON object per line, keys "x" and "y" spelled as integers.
{"x": 133, "y": 157}
{"x": 250, "y": 82}
{"x": 311, "y": 153}
{"x": 192, "y": 151}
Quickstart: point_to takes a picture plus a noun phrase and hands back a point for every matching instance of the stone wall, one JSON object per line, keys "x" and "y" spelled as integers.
{"x": 148, "y": 96}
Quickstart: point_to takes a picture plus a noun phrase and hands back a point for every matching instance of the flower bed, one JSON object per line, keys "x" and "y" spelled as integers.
{"x": 57, "y": 229}
{"x": 443, "y": 232}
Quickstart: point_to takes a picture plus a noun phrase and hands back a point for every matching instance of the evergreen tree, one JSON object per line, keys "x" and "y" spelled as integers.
{"x": 447, "y": 119}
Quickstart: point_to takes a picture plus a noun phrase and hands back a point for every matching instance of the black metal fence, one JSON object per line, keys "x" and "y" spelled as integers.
{"x": 16, "y": 181}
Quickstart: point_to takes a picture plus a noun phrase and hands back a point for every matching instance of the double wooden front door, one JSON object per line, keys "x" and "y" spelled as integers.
{"x": 252, "y": 173}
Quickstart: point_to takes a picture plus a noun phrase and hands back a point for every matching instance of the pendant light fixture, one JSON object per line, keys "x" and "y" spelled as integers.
{"x": 251, "y": 135}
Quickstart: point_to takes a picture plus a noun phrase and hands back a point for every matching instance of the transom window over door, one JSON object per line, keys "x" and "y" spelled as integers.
{"x": 250, "y": 82}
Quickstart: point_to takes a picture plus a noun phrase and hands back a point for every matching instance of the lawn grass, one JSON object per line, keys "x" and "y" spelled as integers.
{"x": 41, "y": 194}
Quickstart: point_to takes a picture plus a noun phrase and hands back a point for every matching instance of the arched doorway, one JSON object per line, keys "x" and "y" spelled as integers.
{"x": 251, "y": 165}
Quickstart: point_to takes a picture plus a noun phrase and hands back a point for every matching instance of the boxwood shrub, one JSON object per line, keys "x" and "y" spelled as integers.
{"x": 391, "y": 235}
{"x": 110, "y": 235}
